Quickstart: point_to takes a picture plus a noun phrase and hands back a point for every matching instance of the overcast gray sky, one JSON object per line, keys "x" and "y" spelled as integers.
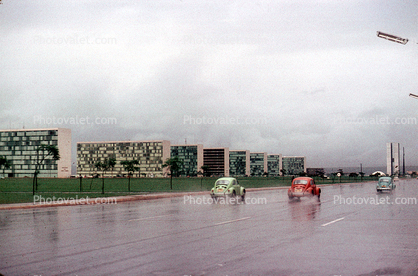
{"x": 306, "y": 78}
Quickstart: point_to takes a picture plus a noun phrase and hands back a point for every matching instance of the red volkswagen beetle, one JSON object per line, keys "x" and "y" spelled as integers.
{"x": 303, "y": 186}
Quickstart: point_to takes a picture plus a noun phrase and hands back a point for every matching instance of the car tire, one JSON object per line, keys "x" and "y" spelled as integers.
{"x": 233, "y": 194}
{"x": 243, "y": 196}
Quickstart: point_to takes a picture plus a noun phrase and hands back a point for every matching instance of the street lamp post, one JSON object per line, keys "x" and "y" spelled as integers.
{"x": 413, "y": 96}
{"x": 393, "y": 38}
{"x": 397, "y": 39}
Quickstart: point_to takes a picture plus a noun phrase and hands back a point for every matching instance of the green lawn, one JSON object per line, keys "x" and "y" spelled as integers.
{"x": 18, "y": 190}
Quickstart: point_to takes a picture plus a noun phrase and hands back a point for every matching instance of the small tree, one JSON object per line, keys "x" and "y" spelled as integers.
{"x": 43, "y": 152}
{"x": 205, "y": 170}
{"x": 283, "y": 172}
{"x": 111, "y": 163}
{"x": 129, "y": 166}
{"x": 353, "y": 174}
{"x": 105, "y": 166}
{"x": 4, "y": 163}
{"x": 174, "y": 165}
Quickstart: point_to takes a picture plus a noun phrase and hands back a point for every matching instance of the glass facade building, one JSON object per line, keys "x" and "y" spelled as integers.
{"x": 239, "y": 163}
{"x": 150, "y": 154}
{"x": 217, "y": 161}
{"x": 274, "y": 164}
{"x": 294, "y": 165}
{"x": 19, "y": 147}
{"x": 258, "y": 163}
{"x": 192, "y": 157}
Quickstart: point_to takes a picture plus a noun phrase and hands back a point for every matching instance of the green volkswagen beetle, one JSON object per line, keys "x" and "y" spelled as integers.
{"x": 385, "y": 183}
{"x": 227, "y": 186}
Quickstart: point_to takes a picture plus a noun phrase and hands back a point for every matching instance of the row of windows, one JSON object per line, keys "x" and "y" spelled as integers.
{"x": 27, "y": 133}
{"x": 150, "y": 145}
{"x": 30, "y": 138}
{"x": 31, "y": 167}
{"x": 155, "y": 159}
{"x": 183, "y": 153}
{"x": 27, "y": 144}
{"x": 121, "y": 170}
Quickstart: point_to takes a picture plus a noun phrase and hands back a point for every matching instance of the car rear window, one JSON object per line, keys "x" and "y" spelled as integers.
{"x": 222, "y": 182}
{"x": 304, "y": 182}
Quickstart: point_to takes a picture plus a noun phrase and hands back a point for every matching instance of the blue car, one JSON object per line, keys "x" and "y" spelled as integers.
{"x": 385, "y": 184}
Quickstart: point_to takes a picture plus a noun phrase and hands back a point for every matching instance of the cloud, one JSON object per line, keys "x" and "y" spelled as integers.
{"x": 298, "y": 78}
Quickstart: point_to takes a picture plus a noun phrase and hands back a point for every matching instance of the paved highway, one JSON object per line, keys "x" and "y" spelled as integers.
{"x": 347, "y": 233}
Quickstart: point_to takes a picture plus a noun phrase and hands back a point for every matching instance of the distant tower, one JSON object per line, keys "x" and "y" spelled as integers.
{"x": 393, "y": 158}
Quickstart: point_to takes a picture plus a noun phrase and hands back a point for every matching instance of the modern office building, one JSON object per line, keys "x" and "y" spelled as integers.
{"x": 294, "y": 165}
{"x": 150, "y": 154}
{"x": 274, "y": 164}
{"x": 239, "y": 163}
{"x": 191, "y": 156}
{"x": 315, "y": 171}
{"x": 393, "y": 158}
{"x": 20, "y": 146}
{"x": 217, "y": 161}
{"x": 258, "y": 163}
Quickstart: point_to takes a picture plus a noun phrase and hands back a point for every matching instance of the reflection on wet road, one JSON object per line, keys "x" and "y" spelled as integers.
{"x": 344, "y": 234}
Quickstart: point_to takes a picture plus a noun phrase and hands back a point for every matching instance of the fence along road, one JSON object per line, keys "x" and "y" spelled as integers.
{"x": 172, "y": 237}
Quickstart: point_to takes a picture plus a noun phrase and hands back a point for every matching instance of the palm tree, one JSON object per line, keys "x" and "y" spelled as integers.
{"x": 129, "y": 166}
{"x": 42, "y": 153}
{"x": 283, "y": 171}
{"x": 174, "y": 165}
{"x": 4, "y": 163}
{"x": 105, "y": 166}
{"x": 111, "y": 163}
{"x": 205, "y": 169}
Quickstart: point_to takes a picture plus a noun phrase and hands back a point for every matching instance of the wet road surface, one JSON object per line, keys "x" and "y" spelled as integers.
{"x": 347, "y": 233}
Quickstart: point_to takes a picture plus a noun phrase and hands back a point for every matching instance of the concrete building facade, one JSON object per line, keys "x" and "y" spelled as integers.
{"x": 294, "y": 165}
{"x": 393, "y": 163}
{"x": 217, "y": 161}
{"x": 239, "y": 163}
{"x": 192, "y": 157}
{"x": 150, "y": 154}
{"x": 20, "y": 146}
{"x": 258, "y": 163}
{"x": 274, "y": 164}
